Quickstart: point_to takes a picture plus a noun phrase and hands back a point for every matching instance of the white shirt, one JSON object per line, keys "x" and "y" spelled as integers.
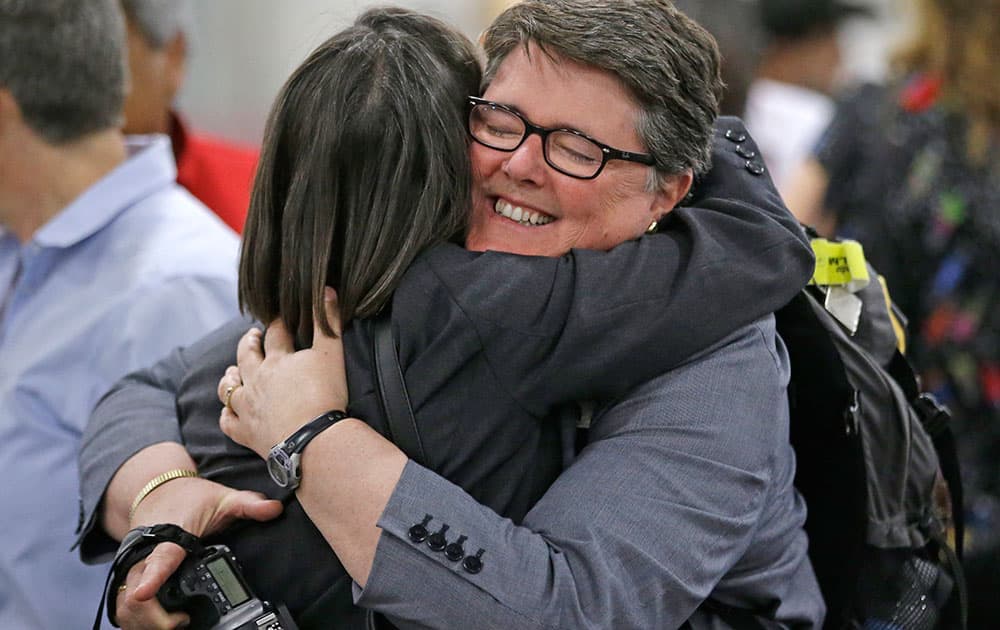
{"x": 786, "y": 121}
{"x": 130, "y": 269}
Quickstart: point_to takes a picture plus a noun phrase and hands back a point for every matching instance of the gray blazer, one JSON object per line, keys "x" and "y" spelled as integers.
{"x": 481, "y": 394}
{"x": 681, "y": 504}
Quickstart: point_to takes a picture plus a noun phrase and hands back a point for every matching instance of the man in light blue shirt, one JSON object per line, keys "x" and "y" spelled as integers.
{"x": 105, "y": 266}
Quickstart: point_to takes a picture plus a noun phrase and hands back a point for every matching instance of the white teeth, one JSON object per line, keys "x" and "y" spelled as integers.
{"x": 520, "y": 215}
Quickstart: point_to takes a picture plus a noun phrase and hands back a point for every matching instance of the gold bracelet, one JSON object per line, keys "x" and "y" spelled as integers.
{"x": 155, "y": 483}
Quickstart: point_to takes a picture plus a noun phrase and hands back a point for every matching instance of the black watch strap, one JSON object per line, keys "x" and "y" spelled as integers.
{"x": 297, "y": 441}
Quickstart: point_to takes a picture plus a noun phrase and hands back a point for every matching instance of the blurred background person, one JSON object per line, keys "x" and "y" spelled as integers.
{"x": 912, "y": 169}
{"x": 105, "y": 265}
{"x": 495, "y": 7}
{"x": 788, "y": 103}
{"x": 736, "y": 26}
{"x": 216, "y": 171}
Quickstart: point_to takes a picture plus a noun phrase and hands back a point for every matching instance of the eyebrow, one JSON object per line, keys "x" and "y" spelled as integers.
{"x": 555, "y": 126}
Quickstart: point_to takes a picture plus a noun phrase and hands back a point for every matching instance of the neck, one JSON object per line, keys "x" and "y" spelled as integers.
{"x": 40, "y": 179}
{"x": 810, "y": 63}
{"x": 782, "y": 68}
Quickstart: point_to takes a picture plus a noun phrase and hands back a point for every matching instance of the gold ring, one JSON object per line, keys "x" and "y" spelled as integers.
{"x": 229, "y": 399}
{"x": 123, "y": 588}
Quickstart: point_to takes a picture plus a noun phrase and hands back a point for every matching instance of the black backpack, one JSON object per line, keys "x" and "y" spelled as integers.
{"x": 876, "y": 460}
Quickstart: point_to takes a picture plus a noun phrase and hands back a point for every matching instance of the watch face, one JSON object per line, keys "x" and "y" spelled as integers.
{"x": 279, "y": 465}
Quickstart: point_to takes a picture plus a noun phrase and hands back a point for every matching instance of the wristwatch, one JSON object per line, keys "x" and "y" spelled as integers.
{"x": 283, "y": 460}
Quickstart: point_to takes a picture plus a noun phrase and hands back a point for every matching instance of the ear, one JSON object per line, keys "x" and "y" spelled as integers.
{"x": 176, "y": 64}
{"x": 673, "y": 189}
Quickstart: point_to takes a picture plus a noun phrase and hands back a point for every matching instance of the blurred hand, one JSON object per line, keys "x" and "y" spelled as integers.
{"x": 277, "y": 390}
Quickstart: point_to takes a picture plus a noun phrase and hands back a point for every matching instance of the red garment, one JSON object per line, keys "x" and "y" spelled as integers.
{"x": 217, "y": 172}
{"x": 920, "y": 93}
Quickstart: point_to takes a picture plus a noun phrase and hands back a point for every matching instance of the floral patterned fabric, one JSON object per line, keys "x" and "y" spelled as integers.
{"x": 902, "y": 182}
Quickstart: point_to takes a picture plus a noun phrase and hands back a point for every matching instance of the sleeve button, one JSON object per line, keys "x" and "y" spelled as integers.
{"x": 745, "y": 152}
{"x": 437, "y": 541}
{"x": 735, "y": 136}
{"x": 755, "y": 167}
{"x": 455, "y": 551}
{"x": 418, "y": 533}
{"x": 474, "y": 564}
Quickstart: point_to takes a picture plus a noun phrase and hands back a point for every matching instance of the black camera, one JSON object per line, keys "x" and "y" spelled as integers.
{"x": 209, "y": 586}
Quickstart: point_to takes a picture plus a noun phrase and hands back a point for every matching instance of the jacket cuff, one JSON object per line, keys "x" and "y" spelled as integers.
{"x": 438, "y": 539}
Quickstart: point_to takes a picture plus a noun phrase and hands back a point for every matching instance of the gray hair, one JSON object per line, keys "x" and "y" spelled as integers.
{"x": 158, "y": 21}
{"x": 666, "y": 61}
{"x": 64, "y": 63}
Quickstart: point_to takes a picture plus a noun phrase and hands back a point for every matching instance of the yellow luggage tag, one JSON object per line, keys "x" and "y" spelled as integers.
{"x": 841, "y": 271}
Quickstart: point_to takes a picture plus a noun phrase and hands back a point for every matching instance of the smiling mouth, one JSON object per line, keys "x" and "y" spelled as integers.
{"x": 520, "y": 215}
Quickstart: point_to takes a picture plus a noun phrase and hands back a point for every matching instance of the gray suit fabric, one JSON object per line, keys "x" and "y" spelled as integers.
{"x": 683, "y": 493}
{"x": 491, "y": 346}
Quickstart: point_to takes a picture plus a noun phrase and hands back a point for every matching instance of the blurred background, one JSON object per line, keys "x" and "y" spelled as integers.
{"x": 242, "y": 50}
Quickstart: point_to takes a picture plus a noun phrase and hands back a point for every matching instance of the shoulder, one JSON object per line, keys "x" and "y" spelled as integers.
{"x": 860, "y": 107}
{"x": 170, "y": 234}
{"x": 144, "y": 323}
{"x": 756, "y": 346}
{"x": 170, "y": 266}
{"x": 754, "y": 350}
{"x": 734, "y": 389}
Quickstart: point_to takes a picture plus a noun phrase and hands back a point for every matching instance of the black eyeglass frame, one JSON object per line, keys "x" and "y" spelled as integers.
{"x": 607, "y": 152}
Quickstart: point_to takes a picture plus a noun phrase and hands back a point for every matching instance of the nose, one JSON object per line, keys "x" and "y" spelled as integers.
{"x": 526, "y": 163}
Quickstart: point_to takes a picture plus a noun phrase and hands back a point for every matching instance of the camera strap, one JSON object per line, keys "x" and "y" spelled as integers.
{"x": 136, "y": 545}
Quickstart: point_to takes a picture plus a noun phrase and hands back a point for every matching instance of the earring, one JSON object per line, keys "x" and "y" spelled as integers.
{"x": 652, "y": 227}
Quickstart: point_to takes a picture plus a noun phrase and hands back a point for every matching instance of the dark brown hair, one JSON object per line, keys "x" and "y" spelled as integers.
{"x": 364, "y": 165}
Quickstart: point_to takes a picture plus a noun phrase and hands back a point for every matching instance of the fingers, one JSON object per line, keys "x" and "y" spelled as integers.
{"x": 137, "y": 607}
{"x": 147, "y": 615}
{"x": 249, "y": 353}
{"x": 123, "y": 601}
{"x": 321, "y": 340}
{"x": 228, "y": 423}
{"x": 253, "y": 506}
{"x": 239, "y": 505}
{"x": 159, "y": 566}
{"x": 228, "y": 386}
{"x": 277, "y": 340}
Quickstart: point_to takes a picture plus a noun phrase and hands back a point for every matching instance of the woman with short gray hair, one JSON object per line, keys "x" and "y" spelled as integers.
{"x": 350, "y": 195}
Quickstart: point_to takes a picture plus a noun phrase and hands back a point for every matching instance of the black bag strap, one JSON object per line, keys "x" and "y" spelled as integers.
{"x": 392, "y": 389}
{"x": 956, "y": 612}
{"x": 936, "y": 420}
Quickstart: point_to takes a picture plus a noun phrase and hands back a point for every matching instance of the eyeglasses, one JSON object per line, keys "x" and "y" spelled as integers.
{"x": 569, "y": 151}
